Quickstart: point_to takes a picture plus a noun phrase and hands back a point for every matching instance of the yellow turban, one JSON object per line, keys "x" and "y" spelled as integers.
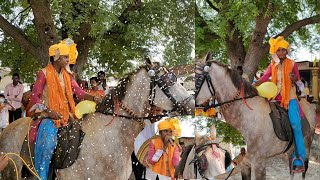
{"x": 64, "y": 50}
{"x": 171, "y": 123}
{"x": 277, "y": 43}
{"x": 73, "y": 50}
{"x": 165, "y": 124}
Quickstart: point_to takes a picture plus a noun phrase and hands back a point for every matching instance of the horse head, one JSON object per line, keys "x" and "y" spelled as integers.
{"x": 218, "y": 82}
{"x": 209, "y": 157}
{"x": 151, "y": 85}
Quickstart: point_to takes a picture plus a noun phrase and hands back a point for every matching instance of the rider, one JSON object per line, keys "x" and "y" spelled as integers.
{"x": 284, "y": 73}
{"x": 52, "y": 96}
{"x": 163, "y": 154}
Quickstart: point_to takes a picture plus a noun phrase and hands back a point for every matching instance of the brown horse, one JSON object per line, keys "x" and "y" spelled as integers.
{"x": 106, "y": 150}
{"x": 255, "y": 125}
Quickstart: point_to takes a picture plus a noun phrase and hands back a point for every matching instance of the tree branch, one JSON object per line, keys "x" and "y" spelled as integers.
{"x": 212, "y": 6}
{"x": 18, "y": 35}
{"x": 134, "y": 6}
{"x": 123, "y": 18}
{"x": 299, "y": 24}
{"x": 209, "y": 35}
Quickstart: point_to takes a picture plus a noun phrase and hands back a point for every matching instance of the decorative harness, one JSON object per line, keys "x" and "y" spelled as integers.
{"x": 164, "y": 81}
{"x": 201, "y": 162}
{"x": 202, "y": 76}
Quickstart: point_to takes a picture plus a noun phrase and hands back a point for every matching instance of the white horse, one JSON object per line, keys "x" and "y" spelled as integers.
{"x": 208, "y": 156}
{"x": 255, "y": 125}
{"x": 106, "y": 150}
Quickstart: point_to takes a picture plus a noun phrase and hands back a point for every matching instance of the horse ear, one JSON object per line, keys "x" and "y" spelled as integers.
{"x": 148, "y": 61}
{"x": 209, "y": 56}
{"x": 196, "y": 135}
{"x": 213, "y": 132}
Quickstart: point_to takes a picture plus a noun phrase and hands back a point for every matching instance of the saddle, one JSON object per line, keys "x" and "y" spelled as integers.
{"x": 281, "y": 123}
{"x": 66, "y": 152}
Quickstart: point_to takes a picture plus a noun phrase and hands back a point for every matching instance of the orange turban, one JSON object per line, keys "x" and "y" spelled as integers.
{"x": 277, "y": 43}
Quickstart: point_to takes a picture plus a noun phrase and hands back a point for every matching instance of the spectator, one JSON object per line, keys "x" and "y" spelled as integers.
{"x": 240, "y": 157}
{"x": 13, "y": 93}
{"x": 102, "y": 82}
{"x": 4, "y": 113}
{"x": 94, "y": 90}
{"x": 26, "y": 97}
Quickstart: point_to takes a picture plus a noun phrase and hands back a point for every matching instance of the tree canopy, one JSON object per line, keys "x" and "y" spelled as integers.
{"x": 110, "y": 35}
{"x": 238, "y": 31}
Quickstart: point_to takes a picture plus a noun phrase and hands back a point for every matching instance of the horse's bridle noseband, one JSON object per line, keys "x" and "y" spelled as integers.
{"x": 202, "y": 75}
{"x": 200, "y": 162}
{"x": 164, "y": 82}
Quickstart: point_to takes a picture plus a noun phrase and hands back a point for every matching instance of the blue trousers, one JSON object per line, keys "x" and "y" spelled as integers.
{"x": 44, "y": 148}
{"x": 295, "y": 121}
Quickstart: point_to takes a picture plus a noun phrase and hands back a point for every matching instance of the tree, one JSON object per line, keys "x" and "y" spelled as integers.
{"x": 107, "y": 32}
{"x": 238, "y": 31}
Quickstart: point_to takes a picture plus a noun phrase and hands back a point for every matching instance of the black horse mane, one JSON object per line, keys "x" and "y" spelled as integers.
{"x": 238, "y": 81}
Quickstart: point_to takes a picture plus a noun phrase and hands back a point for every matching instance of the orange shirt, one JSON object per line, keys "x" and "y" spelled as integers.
{"x": 96, "y": 93}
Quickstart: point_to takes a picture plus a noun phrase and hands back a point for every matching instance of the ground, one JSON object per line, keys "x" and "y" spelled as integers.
{"x": 277, "y": 168}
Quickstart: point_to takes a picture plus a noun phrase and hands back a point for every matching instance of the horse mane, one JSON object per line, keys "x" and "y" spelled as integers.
{"x": 238, "y": 80}
{"x": 118, "y": 92}
{"x": 182, "y": 163}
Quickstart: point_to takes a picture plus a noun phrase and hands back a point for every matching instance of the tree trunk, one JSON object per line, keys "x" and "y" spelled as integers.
{"x": 46, "y": 30}
{"x": 256, "y": 48}
{"x": 235, "y": 46}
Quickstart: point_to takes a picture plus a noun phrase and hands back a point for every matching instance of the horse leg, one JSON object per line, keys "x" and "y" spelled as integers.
{"x": 246, "y": 172}
{"x": 290, "y": 165}
{"x": 306, "y": 165}
{"x": 259, "y": 169}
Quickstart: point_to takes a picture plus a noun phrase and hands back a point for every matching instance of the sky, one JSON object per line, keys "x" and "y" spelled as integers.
{"x": 305, "y": 55}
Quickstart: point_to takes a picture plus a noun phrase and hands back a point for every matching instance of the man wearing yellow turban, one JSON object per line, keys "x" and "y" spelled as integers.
{"x": 52, "y": 96}
{"x": 163, "y": 153}
{"x": 284, "y": 73}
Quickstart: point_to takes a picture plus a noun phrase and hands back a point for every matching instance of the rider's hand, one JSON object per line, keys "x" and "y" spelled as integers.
{"x": 53, "y": 114}
{"x": 97, "y": 99}
{"x": 166, "y": 142}
{"x": 293, "y": 77}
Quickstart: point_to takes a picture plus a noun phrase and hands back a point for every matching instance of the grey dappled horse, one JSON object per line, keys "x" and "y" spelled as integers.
{"x": 255, "y": 125}
{"x": 106, "y": 150}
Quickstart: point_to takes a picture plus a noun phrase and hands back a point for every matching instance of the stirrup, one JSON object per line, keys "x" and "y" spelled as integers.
{"x": 299, "y": 170}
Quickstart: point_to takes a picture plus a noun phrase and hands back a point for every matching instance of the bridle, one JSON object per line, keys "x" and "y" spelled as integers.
{"x": 202, "y": 76}
{"x": 160, "y": 77}
{"x": 201, "y": 162}
{"x": 164, "y": 81}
